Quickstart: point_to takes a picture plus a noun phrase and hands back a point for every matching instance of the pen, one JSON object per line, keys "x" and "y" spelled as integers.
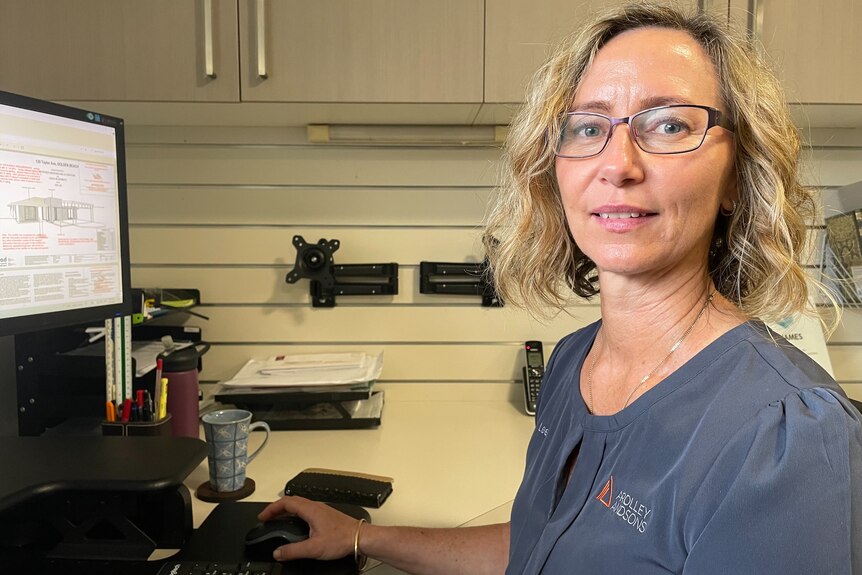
{"x": 148, "y": 407}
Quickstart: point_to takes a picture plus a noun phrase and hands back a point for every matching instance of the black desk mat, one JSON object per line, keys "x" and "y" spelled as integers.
{"x": 221, "y": 539}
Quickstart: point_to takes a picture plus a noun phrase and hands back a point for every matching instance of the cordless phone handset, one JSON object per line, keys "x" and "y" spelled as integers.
{"x": 533, "y": 373}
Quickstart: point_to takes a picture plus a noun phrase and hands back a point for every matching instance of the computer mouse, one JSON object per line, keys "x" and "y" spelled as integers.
{"x": 264, "y": 538}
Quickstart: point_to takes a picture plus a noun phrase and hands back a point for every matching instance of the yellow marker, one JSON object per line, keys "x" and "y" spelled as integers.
{"x": 163, "y": 399}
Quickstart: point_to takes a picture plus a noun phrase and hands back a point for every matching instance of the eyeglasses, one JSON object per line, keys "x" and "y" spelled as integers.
{"x": 674, "y": 129}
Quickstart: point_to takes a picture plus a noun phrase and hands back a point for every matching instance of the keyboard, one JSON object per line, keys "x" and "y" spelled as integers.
{"x": 220, "y": 568}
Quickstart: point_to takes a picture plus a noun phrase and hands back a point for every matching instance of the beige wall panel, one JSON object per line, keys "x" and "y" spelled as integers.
{"x": 224, "y": 133}
{"x": 305, "y": 205}
{"x": 337, "y": 166}
{"x": 225, "y": 245}
{"x": 850, "y": 328}
{"x": 356, "y": 166}
{"x": 847, "y": 362}
{"x": 406, "y": 324}
{"x": 832, "y": 167}
{"x": 267, "y": 285}
{"x": 474, "y": 362}
{"x": 853, "y": 390}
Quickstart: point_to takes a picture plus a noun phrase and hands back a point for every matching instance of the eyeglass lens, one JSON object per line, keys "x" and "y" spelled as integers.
{"x": 667, "y": 130}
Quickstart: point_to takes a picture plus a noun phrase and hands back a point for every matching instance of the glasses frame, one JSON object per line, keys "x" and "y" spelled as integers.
{"x": 715, "y": 118}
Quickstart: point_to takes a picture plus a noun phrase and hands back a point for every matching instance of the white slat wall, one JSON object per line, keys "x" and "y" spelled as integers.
{"x": 216, "y": 209}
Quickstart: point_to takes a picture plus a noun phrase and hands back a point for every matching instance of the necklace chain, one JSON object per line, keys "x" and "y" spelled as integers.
{"x": 644, "y": 379}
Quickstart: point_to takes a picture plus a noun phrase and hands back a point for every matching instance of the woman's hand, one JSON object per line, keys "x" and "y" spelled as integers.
{"x": 331, "y": 533}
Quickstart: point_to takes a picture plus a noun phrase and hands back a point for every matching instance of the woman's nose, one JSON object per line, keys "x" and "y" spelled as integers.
{"x": 621, "y": 158}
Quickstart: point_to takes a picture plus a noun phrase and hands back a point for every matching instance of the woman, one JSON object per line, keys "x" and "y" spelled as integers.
{"x": 655, "y": 161}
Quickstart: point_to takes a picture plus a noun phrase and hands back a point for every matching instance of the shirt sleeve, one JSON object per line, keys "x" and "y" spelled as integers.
{"x": 785, "y": 494}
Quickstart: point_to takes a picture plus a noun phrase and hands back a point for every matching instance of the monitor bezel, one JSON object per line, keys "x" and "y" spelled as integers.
{"x": 64, "y": 318}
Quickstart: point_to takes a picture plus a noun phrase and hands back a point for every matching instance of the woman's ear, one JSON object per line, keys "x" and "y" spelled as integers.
{"x": 730, "y": 198}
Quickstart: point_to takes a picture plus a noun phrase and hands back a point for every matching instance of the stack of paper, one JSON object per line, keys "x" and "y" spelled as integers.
{"x": 313, "y": 370}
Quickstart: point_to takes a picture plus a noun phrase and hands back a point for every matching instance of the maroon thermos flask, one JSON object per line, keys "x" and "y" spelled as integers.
{"x": 181, "y": 369}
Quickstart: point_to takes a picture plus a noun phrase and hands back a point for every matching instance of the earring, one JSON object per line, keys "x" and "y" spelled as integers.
{"x": 717, "y": 244}
{"x": 728, "y": 213}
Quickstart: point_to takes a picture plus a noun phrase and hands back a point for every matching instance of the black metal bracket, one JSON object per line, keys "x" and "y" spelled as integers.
{"x": 459, "y": 278}
{"x": 316, "y": 262}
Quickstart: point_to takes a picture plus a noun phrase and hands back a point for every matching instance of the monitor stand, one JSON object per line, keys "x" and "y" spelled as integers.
{"x": 95, "y": 498}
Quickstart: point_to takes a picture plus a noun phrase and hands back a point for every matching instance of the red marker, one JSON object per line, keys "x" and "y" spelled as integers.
{"x": 127, "y": 409}
{"x": 159, "y": 364}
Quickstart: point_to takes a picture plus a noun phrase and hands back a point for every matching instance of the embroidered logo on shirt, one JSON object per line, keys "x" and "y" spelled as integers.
{"x": 542, "y": 429}
{"x": 625, "y": 506}
{"x": 607, "y": 494}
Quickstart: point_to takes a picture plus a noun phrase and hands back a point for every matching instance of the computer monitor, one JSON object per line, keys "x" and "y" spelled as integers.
{"x": 64, "y": 237}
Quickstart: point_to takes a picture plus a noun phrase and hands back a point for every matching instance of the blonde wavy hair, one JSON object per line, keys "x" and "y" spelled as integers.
{"x": 756, "y": 254}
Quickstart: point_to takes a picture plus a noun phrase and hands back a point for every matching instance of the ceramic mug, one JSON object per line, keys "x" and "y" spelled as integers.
{"x": 226, "y": 432}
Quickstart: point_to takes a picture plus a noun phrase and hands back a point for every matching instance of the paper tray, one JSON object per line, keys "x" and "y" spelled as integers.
{"x": 292, "y": 397}
{"x": 360, "y": 414}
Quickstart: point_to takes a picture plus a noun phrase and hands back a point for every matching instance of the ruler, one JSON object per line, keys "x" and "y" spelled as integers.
{"x": 123, "y": 357}
{"x": 110, "y": 385}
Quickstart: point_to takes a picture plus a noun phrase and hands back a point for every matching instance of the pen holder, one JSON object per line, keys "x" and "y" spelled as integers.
{"x": 161, "y": 428}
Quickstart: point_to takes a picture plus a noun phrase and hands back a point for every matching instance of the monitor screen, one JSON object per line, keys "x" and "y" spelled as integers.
{"x": 64, "y": 253}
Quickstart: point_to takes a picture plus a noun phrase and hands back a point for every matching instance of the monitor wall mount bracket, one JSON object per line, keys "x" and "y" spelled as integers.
{"x": 460, "y": 279}
{"x": 316, "y": 263}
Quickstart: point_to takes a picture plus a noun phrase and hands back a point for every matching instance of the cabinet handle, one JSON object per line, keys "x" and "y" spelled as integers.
{"x": 755, "y": 18}
{"x": 260, "y": 18}
{"x": 209, "y": 64}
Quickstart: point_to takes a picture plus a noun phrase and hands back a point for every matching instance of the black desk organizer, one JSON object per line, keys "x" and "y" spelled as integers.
{"x": 94, "y": 504}
{"x": 63, "y": 377}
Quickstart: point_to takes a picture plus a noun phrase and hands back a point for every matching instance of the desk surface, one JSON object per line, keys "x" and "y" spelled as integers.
{"x": 456, "y": 452}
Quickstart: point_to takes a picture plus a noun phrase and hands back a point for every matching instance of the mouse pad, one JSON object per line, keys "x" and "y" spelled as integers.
{"x": 221, "y": 538}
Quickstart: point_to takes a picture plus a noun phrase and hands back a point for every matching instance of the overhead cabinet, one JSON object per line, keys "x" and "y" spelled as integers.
{"x": 132, "y": 50}
{"x": 291, "y": 50}
{"x": 816, "y": 45}
{"x": 519, "y": 37}
{"x": 361, "y": 51}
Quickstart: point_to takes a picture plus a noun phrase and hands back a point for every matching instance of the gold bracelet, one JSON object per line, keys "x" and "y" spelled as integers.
{"x": 358, "y": 556}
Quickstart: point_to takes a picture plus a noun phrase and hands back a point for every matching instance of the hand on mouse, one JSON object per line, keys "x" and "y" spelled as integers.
{"x": 331, "y": 532}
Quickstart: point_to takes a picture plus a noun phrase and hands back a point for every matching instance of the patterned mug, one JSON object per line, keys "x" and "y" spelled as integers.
{"x": 226, "y": 433}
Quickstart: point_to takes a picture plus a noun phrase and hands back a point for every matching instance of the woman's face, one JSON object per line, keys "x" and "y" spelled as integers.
{"x": 675, "y": 197}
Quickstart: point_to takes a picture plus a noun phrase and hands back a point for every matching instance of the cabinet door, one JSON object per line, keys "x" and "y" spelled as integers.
{"x": 361, "y": 51}
{"x": 153, "y": 50}
{"x": 519, "y": 37}
{"x": 816, "y": 46}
